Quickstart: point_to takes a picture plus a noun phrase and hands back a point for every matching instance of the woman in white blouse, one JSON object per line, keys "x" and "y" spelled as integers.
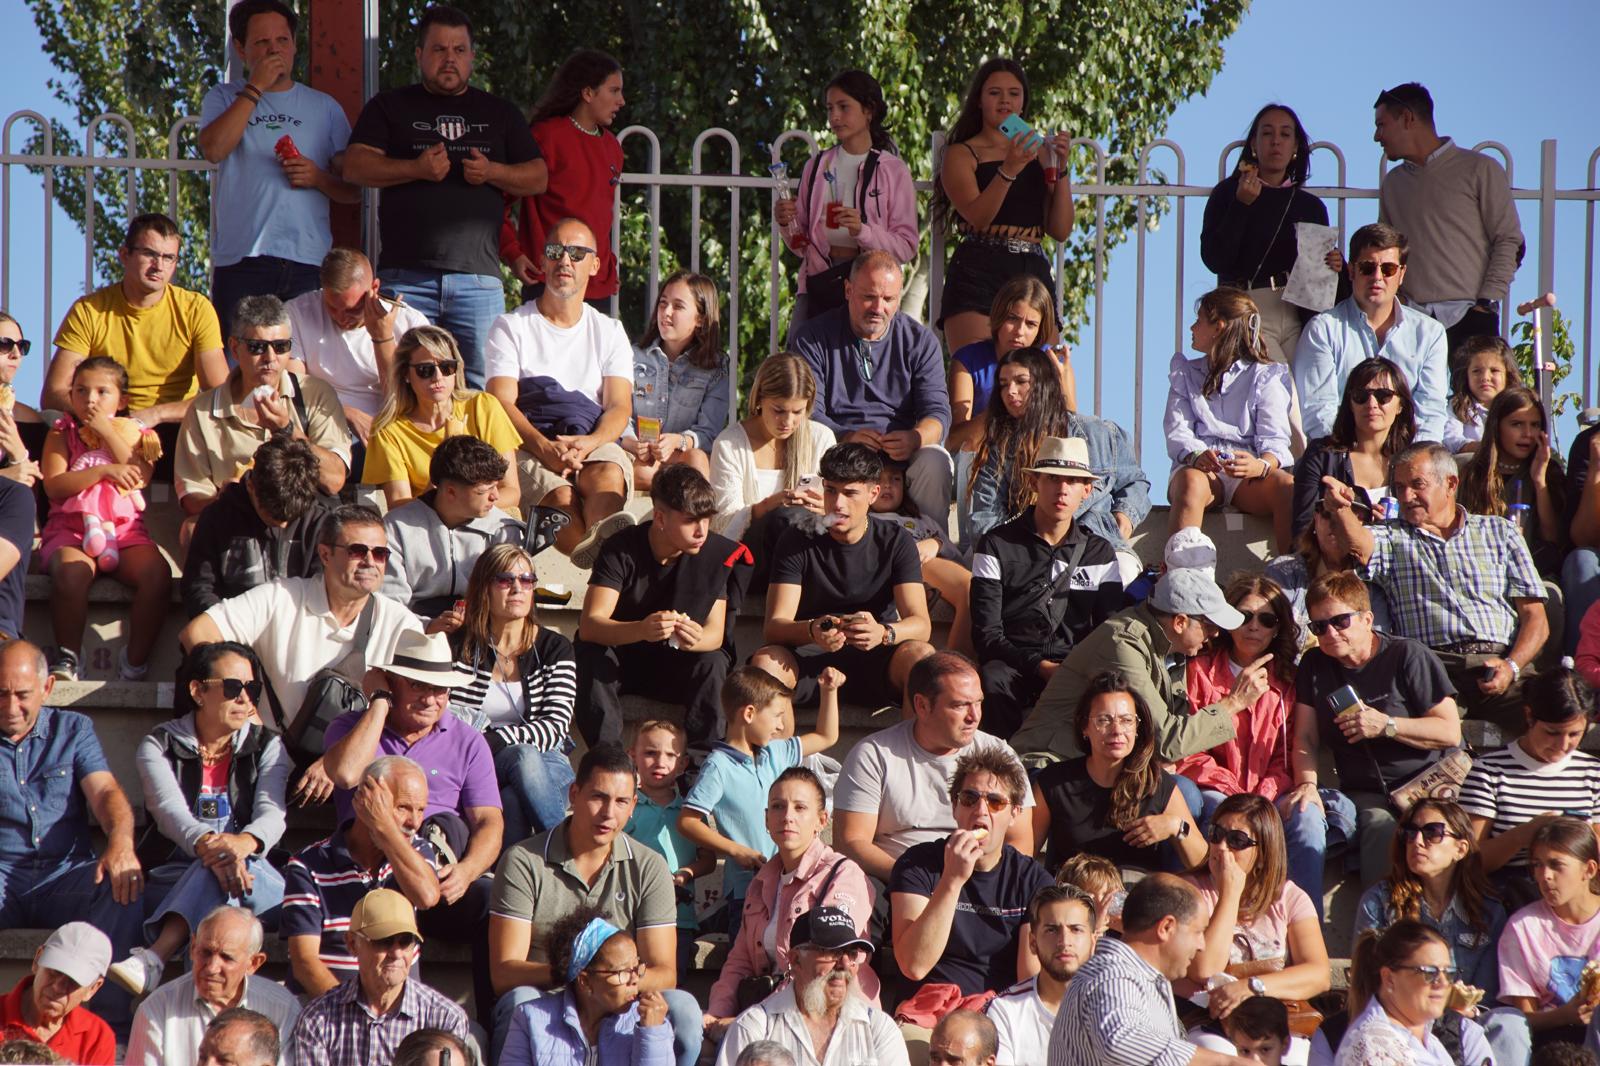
{"x": 764, "y": 468}
{"x": 1399, "y": 985}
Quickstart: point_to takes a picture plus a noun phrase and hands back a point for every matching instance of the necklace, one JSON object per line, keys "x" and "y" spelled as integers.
{"x": 211, "y": 758}
{"x": 583, "y": 129}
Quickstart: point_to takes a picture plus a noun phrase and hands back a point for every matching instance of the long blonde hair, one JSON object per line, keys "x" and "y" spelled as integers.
{"x": 399, "y": 399}
{"x": 786, "y": 376}
{"x": 476, "y": 637}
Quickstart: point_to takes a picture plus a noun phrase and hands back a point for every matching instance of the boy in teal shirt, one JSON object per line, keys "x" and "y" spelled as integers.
{"x": 657, "y": 753}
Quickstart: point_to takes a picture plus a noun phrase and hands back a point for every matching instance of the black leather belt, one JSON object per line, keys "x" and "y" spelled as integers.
{"x": 1271, "y": 281}
{"x": 1474, "y": 647}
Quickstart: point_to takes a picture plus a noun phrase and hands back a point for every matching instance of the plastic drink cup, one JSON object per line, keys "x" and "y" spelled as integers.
{"x": 833, "y": 214}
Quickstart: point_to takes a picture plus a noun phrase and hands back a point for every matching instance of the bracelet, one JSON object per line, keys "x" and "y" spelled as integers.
{"x": 383, "y": 340}
{"x": 252, "y": 92}
{"x": 1000, "y": 172}
{"x": 1516, "y": 671}
{"x": 1266, "y": 468}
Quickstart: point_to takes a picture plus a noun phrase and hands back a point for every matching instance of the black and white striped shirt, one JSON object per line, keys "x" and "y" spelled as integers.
{"x": 549, "y": 690}
{"x": 1511, "y": 787}
{"x": 1118, "y": 1011}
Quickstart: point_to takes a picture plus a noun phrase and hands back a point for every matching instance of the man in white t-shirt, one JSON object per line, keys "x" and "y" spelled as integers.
{"x": 564, "y": 372}
{"x": 1061, "y": 924}
{"x": 345, "y": 335}
{"x": 894, "y": 790}
{"x": 299, "y": 626}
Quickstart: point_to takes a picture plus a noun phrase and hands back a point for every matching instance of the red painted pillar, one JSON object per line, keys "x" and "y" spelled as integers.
{"x": 337, "y": 35}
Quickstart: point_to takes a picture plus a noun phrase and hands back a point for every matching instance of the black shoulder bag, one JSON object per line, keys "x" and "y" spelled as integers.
{"x": 329, "y": 694}
{"x": 753, "y": 990}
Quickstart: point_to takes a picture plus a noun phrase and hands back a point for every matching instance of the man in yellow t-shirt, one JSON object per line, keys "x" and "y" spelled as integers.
{"x": 164, "y": 335}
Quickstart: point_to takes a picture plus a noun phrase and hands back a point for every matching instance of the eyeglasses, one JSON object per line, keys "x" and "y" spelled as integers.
{"x": 283, "y": 347}
{"x": 1369, "y": 267}
{"x": 1433, "y": 832}
{"x": 1266, "y": 619}
{"x": 1434, "y": 975}
{"x": 232, "y": 686}
{"x": 826, "y": 955}
{"x": 506, "y": 578}
{"x": 622, "y": 977}
{"x": 8, "y": 345}
{"x": 361, "y": 551}
{"x": 575, "y": 252}
{"x": 1341, "y": 622}
{"x": 403, "y": 941}
{"x": 1232, "y": 839}
{"x": 164, "y": 258}
{"x": 1383, "y": 396}
{"x": 969, "y": 797}
{"x": 426, "y": 371}
{"x": 1106, "y": 723}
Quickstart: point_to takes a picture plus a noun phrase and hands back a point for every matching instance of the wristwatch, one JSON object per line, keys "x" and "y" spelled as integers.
{"x": 1183, "y": 828}
{"x": 1258, "y": 987}
{"x": 381, "y": 694}
{"x": 888, "y": 635}
{"x": 1389, "y": 729}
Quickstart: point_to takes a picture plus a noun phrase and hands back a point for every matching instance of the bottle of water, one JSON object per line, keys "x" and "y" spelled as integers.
{"x": 1520, "y": 511}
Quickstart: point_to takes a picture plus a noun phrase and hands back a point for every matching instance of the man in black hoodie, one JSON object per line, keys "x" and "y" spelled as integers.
{"x": 261, "y": 527}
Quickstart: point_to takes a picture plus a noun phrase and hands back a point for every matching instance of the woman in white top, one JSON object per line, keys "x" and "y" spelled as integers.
{"x": 764, "y": 468}
{"x": 1399, "y": 984}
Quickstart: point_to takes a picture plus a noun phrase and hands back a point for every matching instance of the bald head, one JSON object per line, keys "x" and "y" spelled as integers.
{"x": 873, "y": 292}
{"x": 568, "y": 260}
{"x": 25, "y": 684}
{"x": 963, "y": 1038}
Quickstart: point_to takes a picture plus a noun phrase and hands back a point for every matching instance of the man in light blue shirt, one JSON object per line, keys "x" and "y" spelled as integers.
{"x": 1371, "y": 323}
{"x": 272, "y": 202}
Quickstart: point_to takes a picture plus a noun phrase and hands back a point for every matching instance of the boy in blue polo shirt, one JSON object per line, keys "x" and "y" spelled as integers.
{"x": 736, "y": 776}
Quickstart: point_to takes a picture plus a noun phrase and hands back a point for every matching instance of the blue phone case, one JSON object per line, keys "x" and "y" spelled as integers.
{"x": 1015, "y": 125}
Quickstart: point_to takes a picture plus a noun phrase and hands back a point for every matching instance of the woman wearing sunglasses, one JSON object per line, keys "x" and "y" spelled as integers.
{"x": 1399, "y": 984}
{"x": 1116, "y": 801}
{"x": 1376, "y": 420}
{"x": 601, "y": 1016}
{"x": 1512, "y": 792}
{"x": 425, "y": 401}
{"x": 1547, "y": 944}
{"x": 214, "y": 784}
{"x": 1263, "y": 929}
{"x": 524, "y": 684}
{"x": 22, "y": 429}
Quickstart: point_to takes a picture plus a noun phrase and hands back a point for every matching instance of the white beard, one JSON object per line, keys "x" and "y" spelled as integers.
{"x": 813, "y": 996}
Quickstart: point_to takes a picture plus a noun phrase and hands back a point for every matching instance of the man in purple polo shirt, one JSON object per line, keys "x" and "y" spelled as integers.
{"x": 407, "y": 714}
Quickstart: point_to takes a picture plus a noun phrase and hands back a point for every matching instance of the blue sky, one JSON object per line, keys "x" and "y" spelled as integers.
{"x": 1326, "y": 58}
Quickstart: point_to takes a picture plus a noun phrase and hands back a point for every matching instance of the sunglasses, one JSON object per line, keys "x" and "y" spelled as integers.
{"x": 1432, "y": 833}
{"x": 232, "y": 686}
{"x": 426, "y": 371}
{"x": 1369, "y": 267}
{"x": 969, "y": 797}
{"x": 506, "y": 578}
{"x": 283, "y": 347}
{"x": 1434, "y": 975}
{"x": 362, "y": 551}
{"x": 1383, "y": 396}
{"x": 403, "y": 941}
{"x": 1232, "y": 839}
{"x": 1267, "y": 619}
{"x": 575, "y": 252}
{"x": 1341, "y": 622}
{"x": 8, "y": 345}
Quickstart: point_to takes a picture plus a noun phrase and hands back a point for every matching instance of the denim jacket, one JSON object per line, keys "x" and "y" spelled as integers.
{"x": 1123, "y": 487}
{"x": 1475, "y": 953}
{"x": 688, "y": 399}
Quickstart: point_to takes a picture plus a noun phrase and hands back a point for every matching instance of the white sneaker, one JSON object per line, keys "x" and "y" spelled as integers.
{"x": 588, "y": 549}
{"x": 139, "y": 973}
{"x": 126, "y": 671}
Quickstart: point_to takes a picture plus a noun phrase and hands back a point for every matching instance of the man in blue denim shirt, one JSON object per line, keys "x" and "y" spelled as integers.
{"x": 51, "y": 766}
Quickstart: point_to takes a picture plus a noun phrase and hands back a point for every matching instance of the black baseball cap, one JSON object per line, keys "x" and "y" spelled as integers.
{"x": 828, "y": 928}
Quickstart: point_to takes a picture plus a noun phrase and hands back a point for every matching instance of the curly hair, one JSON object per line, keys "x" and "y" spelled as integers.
{"x": 1140, "y": 774}
{"x": 1469, "y": 884}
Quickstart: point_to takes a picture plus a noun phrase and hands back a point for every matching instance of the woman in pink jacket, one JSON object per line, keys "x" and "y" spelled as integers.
{"x": 805, "y": 873}
{"x": 1257, "y": 759}
{"x": 853, "y": 196}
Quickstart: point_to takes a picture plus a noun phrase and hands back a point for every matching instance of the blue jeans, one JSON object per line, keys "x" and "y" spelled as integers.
{"x": 189, "y": 890}
{"x": 1580, "y": 581}
{"x": 533, "y": 789}
{"x": 1310, "y": 834}
{"x": 259, "y": 275}
{"x": 47, "y": 893}
{"x": 683, "y": 1014}
{"x": 464, "y": 304}
{"x": 1191, "y": 795}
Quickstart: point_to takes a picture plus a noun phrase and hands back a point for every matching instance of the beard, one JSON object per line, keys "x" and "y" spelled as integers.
{"x": 813, "y": 995}
{"x": 1059, "y": 972}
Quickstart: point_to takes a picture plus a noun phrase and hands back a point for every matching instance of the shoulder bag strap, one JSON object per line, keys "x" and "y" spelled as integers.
{"x": 1056, "y": 603}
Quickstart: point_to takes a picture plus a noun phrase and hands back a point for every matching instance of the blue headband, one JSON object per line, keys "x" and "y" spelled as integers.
{"x": 584, "y": 949}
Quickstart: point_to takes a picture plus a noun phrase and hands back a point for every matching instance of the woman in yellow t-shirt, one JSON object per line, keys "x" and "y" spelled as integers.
{"x": 423, "y": 403}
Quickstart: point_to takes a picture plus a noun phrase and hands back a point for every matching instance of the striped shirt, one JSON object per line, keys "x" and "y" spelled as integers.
{"x": 1118, "y": 1011}
{"x": 1510, "y": 787}
{"x": 339, "y": 1029}
{"x": 322, "y": 884}
{"x": 1445, "y": 591}
{"x": 549, "y": 690}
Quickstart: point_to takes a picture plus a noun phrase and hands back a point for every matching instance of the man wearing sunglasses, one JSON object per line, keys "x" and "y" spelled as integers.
{"x": 363, "y": 1021}
{"x": 1456, "y": 205}
{"x": 1373, "y": 322}
{"x": 1402, "y": 715}
{"x": 226, "y": 425}
{"x": 165, "y": 335}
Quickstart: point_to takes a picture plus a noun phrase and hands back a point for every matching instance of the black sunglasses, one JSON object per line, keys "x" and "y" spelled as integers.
{"x": 1341, "y": 622}
{"x": 426, "y": 371}
{"x": 1232, "y": 839}
{"x": 576, "y": 252}
{"x": 1432, "y": 833}
{"x": 404, "y": 941}
{"x": 1383, "y": 396}
{"x": 361, "y": 551}
{"x": 1268, "y": 619}
{"x": 1369, "y": 267}
{"x": 7, "y": 345}
{"x": 232, "y": 686}
{"x": 283, "y": 347}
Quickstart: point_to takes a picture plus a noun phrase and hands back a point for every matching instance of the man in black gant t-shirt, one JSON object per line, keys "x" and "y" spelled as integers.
{"x": 443, "y": 153}
{"x": 847, "y": 595}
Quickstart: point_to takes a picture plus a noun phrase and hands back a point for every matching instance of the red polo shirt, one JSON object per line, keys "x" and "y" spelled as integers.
{"x": 83, "y": 1037}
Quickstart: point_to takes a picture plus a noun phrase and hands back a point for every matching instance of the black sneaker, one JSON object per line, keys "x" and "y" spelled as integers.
{"x": 64, "y": 664}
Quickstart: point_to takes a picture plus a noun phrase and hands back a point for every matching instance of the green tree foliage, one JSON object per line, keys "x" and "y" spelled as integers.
{"x": 1111, "y": 71}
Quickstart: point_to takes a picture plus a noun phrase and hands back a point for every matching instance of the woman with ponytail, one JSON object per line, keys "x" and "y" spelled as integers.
{"x": 1399, "y": 985}
{"x": 1227, "y": 419}
{"x": 1116, "y": 801}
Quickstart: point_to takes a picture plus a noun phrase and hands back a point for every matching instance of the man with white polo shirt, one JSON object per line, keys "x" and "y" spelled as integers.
{"x": 1061, "y": 924}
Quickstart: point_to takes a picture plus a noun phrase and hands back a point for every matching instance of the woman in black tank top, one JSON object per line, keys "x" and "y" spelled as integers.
{"x": 1002, "y": 194}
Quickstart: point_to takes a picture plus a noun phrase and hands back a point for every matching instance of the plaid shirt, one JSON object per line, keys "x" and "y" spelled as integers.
{"x": 1458, "y": 589}
{"x": 338, "y": 1029}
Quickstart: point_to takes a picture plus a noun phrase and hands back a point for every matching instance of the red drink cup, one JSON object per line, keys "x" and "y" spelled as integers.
{"x": 833, "y": 214}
